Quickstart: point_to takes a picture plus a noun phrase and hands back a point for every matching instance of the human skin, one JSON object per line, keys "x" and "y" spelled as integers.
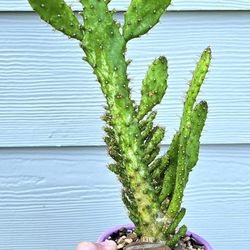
{"x": 107, "y": 245}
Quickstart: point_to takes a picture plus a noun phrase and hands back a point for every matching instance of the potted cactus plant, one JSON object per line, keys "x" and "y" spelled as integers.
{"x": 153, "y": 184}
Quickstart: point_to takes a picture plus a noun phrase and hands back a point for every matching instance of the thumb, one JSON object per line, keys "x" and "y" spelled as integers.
{"x": 107, "y": 245}
{"x": 87, "y": 246}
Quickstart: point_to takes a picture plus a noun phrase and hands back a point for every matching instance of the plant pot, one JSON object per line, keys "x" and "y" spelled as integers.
{"x": 108, "y": 232}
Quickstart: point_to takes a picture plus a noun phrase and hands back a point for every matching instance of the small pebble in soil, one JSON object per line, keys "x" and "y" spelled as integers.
{"x": 124, "y": 236}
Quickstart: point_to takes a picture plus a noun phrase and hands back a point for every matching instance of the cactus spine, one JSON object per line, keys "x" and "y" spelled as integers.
{"x": 153, "y": 185}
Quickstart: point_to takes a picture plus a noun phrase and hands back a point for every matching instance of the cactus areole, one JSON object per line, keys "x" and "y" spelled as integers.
{"x": 153, "y": 184}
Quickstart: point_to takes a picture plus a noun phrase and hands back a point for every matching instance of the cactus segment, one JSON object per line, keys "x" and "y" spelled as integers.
{"x": 198, "y": 119}
{"x": 154, "y": 166}
{"x": 115, "y": 155}
{"x": 142, "y": 15}
{"x": 158, "y": 173}
{"x": 170, "y": 174}
{"x": 154, "y": 140}
{"x": 159, "y": 166}
{"x": 107, "y": 118}
{"x": 176, "y": 238}
{"x": 113, "y": 149}
{"x": 150, "y": 157}
{"x": 168, "y": 182}
{"x": 147, "y": 126}
{"x": 149, "y": 119}
{"x": 110, "y": 132}
{"x": 102, "y": 43}
{"x": 171, "y": 229}
{"x": 185, "y": 129}
{"x": 59, "y": 15}
{"x": 154, "y": 86}
{"x": 114, "y": 168}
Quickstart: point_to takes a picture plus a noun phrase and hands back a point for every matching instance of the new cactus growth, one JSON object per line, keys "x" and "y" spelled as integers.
{"x": 153, "y": 185}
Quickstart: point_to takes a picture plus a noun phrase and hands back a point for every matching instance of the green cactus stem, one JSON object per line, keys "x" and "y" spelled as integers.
{"x": 158, "y": 169}
{"x": 148, "y": 120}
{"x": 175, "y": 222}
{"x": 185, "y": 130}
{"x": 154, "y": 140}
{"x": 141, "y": 16}
{"x": 154, "y": 86}
{"x": 198, "y": 118}
{"x": 59, "y": 15}
{"x": 147, "y": 126}
{"x": 170, "y": 175}
{"x": 153, "y": 185}
{"x": 175, "y": 239}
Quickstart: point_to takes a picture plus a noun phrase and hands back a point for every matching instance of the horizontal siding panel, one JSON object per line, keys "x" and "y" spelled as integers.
{"x": 49, "y": 97}
{"x": 53, "y": 198}
{"x": 121, "y": 5}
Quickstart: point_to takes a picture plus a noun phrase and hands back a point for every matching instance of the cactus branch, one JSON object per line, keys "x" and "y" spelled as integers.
{"x": 141, "y": 16}
{"x": 198, "y": 119}
{"x": 185, "y": 129}
{"x": 59, "y": 15}
{"x": 154, "y": 86}
{"x": 147, "y": 126}
{"x": 158, "y": 168}
{"x": 175, "y": 239}
{"x": 170, "y": 175}
{"x": 154, "y": 140}
{"x": 149, "y": 119}
{"x": 171, "y": 229}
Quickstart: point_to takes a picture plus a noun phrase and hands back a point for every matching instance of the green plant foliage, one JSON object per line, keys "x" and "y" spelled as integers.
{"x": 153, "y": 184}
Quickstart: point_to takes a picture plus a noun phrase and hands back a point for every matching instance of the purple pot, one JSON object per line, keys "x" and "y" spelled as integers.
{"x": 107, "y": 233}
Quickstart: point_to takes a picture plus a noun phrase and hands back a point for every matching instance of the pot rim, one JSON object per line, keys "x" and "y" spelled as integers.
{"x": 109, "y": 231}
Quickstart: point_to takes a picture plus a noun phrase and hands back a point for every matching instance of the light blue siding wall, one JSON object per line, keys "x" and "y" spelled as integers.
{"x": 52, "y": 197}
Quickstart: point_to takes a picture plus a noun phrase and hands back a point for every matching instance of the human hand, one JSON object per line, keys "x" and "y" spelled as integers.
{"x": 106, "y": 245}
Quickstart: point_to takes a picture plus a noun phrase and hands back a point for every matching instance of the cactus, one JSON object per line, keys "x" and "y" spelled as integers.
{"x": 153, "y": 185}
